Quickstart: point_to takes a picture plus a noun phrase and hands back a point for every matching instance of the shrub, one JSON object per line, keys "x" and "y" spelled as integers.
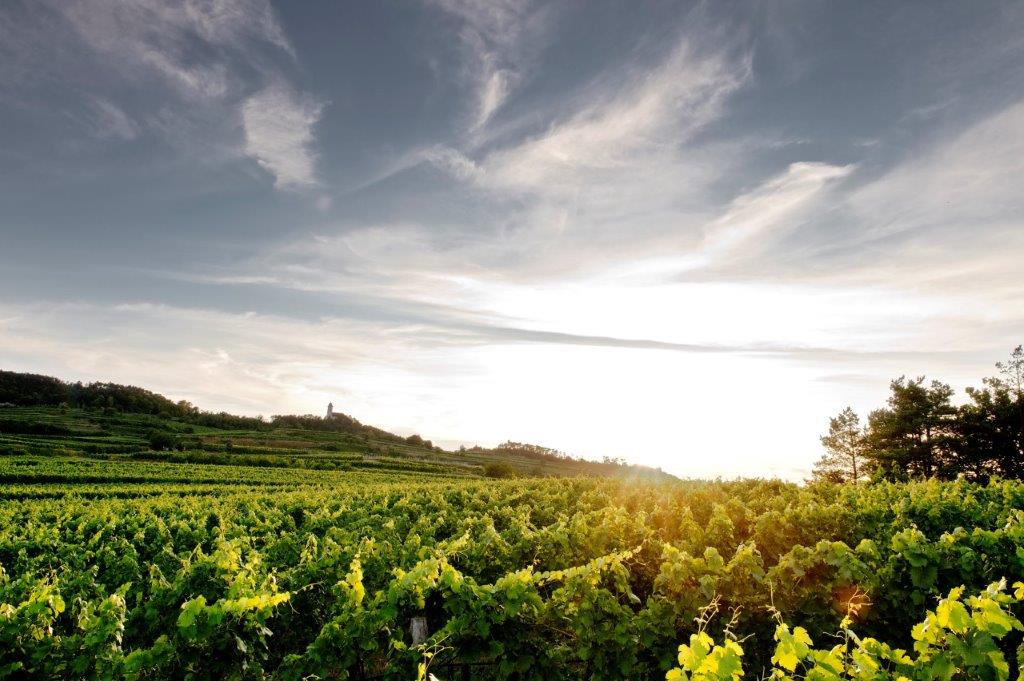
{"x": 499, "y": 470}
{"x": 160, "y": 440}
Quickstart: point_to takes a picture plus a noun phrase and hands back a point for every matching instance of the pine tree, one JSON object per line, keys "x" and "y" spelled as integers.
{"x": 1013, "y": 370}
{"x": 913, "y": 434}
{"x": 843, "y": 460}
{"x": 990, "y": 428}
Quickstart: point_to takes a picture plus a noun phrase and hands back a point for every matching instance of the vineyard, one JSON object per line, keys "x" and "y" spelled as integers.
{"x": 109, "y": 435}
{"x": 294, "y": 554}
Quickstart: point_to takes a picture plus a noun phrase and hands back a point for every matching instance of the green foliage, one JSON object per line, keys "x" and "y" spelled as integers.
{"x": 990, "y": 431}
{"x": 920, "y": 433}
{"x": 844, "y": 450}
{"x": 160, "y": 440}
{"x": 912, "y": 434}
{"x": 956, "y": 640}
{"x": 702, "y": 660}
{"x": 175, "y": 570}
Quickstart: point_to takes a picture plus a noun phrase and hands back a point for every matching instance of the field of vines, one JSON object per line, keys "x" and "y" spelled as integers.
{"x": 124, "y": 568}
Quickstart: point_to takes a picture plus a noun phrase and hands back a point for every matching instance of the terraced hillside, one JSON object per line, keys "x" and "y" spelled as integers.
{"x": 84, "y": 436}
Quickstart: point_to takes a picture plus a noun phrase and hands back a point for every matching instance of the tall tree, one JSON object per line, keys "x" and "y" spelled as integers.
{"x": 1013, "y": 370}
{"x": 1013, "y": 373}
{"x": 990, "y": 428}
{"x": 843, "y": 460}
{"x": 912, "y": 435}
{"x": 989, "y": 439}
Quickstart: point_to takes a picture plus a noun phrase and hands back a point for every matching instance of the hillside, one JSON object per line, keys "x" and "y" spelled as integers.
{"x": 44, "y": 416}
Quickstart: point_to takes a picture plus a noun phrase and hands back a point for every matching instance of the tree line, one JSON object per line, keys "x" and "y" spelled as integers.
{"x": 30, "y": 390}
{"x": 920, "y": 433}
{"x": 34, "y": 390}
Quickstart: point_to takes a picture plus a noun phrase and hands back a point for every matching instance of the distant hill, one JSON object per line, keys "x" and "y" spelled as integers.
{"x": 43, "y": 415}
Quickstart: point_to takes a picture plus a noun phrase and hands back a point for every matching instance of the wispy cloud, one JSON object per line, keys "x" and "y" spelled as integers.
{"x": 946, "y": 217}
{"x": 107, "y": 120}
{"x": 151, "y": 36}
{"x": 772, "y": 210}
{"x": 626, "y": 127}
{"x": 205, "y": 70}
{"x": 279, "y": 134}
{"x": 615, "y": 168}
{"x": 497, "y": 37}
{"x": 618, "y": 174}
{"x": 494, "y": 91}
{"x": 749, "y": 226}
{"x": 614, "y": 172}
{"x": 970, "y": 179}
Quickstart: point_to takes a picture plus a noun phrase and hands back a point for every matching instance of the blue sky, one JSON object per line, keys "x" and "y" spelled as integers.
{"x": 681, "y": 233}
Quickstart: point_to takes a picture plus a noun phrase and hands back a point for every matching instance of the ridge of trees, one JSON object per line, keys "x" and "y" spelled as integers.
{"x": 920, "y": 433}
{"x": 27, "y": 389}
{"x": 30, "y": 390}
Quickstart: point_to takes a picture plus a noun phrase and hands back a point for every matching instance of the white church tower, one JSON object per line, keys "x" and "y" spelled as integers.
{"x": 330, "y": 411}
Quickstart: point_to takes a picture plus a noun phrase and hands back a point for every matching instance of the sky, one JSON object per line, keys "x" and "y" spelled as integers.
{"x": 684, "y": 234}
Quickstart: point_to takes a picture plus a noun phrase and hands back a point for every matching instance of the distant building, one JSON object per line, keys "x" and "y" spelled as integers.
{"x": 330, "y": 411}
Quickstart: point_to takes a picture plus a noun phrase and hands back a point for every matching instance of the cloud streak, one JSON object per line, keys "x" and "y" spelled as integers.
{"x": 279, "y": 127}
{"x": 776, "y": 207}
{"x": 191, "y": 73}
{"x": 493, "y": 35}
{"x": 153, "y": 36}
{"x": 666, "y": 107}
{"x": 610, "y": 176}
{"x": 108, "y": 121}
